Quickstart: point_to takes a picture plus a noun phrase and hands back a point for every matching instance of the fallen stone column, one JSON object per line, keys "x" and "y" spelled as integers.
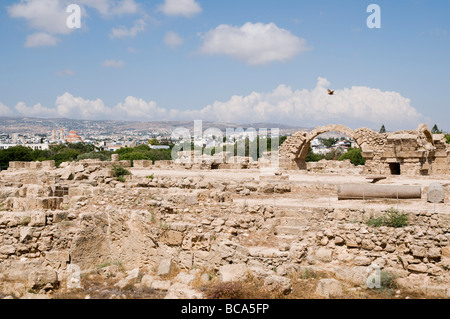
{"x": 436, "y": 193}
{"x": 357, "y": 191}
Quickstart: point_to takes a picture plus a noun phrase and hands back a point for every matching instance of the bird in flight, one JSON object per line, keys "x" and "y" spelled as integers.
{"x": 330, "y": 92}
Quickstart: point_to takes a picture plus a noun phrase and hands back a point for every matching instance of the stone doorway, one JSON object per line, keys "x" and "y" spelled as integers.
{"x": 395, "y": 168}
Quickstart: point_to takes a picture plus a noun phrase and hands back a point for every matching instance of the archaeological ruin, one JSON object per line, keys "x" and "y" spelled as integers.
{"x": 411, "y": 153}
{"x": 174, "y": 227}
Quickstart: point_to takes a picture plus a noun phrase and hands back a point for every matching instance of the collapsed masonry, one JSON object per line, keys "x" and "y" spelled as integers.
{"x": 411, "y": 153}
{"x": 54, "y": 219}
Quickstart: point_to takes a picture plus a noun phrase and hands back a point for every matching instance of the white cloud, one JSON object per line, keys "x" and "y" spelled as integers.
{"x": 253, "y": 43}
{"x": 44, "y": 15}
{"x": 186, "y": 8}
{"x": 138, "y": 109}
{"x": 4, "y": 110}
{"x": 69, "y": 106}
{"x": 355, "y": 107}
{"x": 113, "y": 64}
{"x": 65, "y": 72}
{"x": 131, "y": 109}
{"x": 35, "y": 111}
{"x": 49, "y": 17}
{"x": 173, "y": 40}
{"x": 40, "y": 39}
{"x": 124, "y": 32}
{"x": 111, "y": 7}
{"x": 351, "y": 106}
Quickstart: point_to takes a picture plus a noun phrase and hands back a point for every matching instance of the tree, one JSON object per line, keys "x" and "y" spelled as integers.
{"x": 436, "y": 130}
{"x": 382, "y": 130}
{"x": 15, "y": 154}
{"x": 312, "y": 157}
{"x": 329, "y": 142}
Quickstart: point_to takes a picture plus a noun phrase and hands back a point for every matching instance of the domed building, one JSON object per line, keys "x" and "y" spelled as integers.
{"x": 73, "y": 137}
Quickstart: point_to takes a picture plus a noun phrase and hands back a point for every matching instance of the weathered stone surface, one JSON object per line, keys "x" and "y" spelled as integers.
{"x": 436, "y": 193}
{"x": 202, "y": 223}
{"x": 278, "y": 283}
{"x": 165, "y": 267}
{"x": 161, "y": 284}
{"x": 362, "y": 261}
{"x": 38, "y": 220}
{"x": 7, "y": 250}
{"x": 446, "y": 252}
{"x": 130, "y": 279}
{"x": 329, "y": 288}
{"x": 182, "y": 291}
{"x": 418, "y": 251}
{"x": 44, "y": 278}
{"x": 233, "y": 272}
{"x": 418, "y": 268}
{"x": 324, "y": 255}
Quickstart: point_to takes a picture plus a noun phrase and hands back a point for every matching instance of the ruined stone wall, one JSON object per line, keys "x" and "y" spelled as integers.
{"x": 36, "y": 248}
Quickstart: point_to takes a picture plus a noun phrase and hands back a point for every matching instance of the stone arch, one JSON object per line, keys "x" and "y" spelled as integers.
{"x": 425, "y": 131}
{"x": 294, "y": 150}
{"x": 303, "y": 152}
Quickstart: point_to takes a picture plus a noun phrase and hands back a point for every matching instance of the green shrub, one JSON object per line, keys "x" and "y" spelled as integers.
{"x": 388, "y": 280}
{"x": 375, "y": 222}
{"x": 392, "y": 218}
{"x": 101, "y": 156}
{"x": 120, "y": 172}
{"x": 395, "y": 219}
{"x": 354, "y": 155}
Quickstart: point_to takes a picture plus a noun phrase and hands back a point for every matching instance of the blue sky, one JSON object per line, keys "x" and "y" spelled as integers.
{"x": 232, "y": 61}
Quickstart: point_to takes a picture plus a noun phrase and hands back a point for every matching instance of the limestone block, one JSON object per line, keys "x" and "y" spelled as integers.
{"x": 43, "y": 278}
{"x": 182, "y": 291}
{"x": 233, "y": 272}
{"x": 362, "y": 261}
{"x": 165, "y": 267}
{"x": 172, "y": 238}
{"x": 329, "y": 288}
{"x": 130, "y": 279}
{"x": 418, "y": 268}
{"x": 38, "y": 220}
{"x": 324, "y": 255}
{"x": 161, "y": 285}
{"x": 278, "y": 283}
{"x": 7, "y": 250}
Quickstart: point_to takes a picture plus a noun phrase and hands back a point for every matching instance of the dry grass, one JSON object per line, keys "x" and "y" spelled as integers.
{"x": 99, "y": 287}
{"x": 304, "y": 284}
{"x": 251, "y": 288}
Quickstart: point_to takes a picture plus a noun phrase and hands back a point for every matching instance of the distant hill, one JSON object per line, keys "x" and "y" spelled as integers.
{"x": 29, "y": 125}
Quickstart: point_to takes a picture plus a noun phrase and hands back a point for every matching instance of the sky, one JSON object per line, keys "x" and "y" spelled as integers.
{"x": 236, "y": 61}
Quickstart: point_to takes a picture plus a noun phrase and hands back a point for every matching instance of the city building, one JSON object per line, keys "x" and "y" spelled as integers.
{"x": 73, "y": 137}
{"x": 41, "y": 147}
